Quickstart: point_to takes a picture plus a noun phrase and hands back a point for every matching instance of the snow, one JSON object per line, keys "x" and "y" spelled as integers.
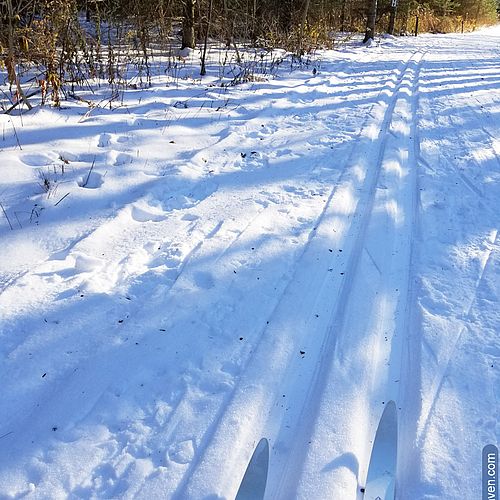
{"x": 198, "y": 268}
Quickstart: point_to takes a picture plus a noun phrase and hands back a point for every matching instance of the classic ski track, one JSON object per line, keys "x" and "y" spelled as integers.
{"x": 331, "y": 342}
{"x": 407, "y": 401}
{"x": 206, "y": 439}
{"x": 362, "y": 212}
{"x": 328, "y": 351}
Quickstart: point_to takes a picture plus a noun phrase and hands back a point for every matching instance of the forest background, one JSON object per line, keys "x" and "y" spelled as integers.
{"x": 55, "y": 47}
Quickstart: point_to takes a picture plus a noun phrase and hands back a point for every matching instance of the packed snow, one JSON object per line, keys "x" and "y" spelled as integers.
{"x": 195, "y": 269}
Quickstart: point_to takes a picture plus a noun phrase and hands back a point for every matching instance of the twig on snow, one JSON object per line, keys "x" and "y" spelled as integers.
{"x": 67, "y": 194}
{"x": 88, "y": 175}
{"x": 24, "y": 100}
{"x": 7, "y": 217}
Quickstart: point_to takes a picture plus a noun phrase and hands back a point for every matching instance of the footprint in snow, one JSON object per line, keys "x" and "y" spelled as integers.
{"x": 203, "y": 279}
{"x": 123, "y": 159}
{"x": 294, "y": 190}
{"x": 91, "y": 180}
{"x": 190, "y": 217}
{"x": 177, "y": 202}
{"x": 187, "y": 197}
{"x": 263, "y": 203}
{"x": 148, "y": 210}
{"x": 104, "y": 141}
{"x": 253, "y": 135}
{"x": 182, "y": 452}
{"x": 165, "y": 256}
{"x": 268, "y": 129}
{"x": 86, "y": 264}
{"x": 162, "y": 413}
{"x": 147, "y": 213}
{"x": 231, "y": 367}
{"x": 166, "y": 262}
{"x": 39, "y": 160}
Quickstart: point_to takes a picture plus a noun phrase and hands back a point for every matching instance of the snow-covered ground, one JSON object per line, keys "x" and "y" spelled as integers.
{"x": 203, "y": 267}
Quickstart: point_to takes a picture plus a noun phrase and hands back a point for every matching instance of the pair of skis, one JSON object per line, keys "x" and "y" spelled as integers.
{"x": 381, "y": 478}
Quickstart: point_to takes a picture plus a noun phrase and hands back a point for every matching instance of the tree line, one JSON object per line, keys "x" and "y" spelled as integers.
{"x": 72, "y": 40}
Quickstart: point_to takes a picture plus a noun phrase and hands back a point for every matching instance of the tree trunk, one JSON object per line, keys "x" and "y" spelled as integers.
{"x": 392, "y": 18}
{"x": 303, "y": 19}
{"x": 229, "y": 24}
{"x": 188, "y": 34}
{"x": 342, "y": 18}
{"x": 303, "y": 22}
{"x": 203, "y": 70}
{"x": 256, "y": 24}
{"x": 372, "y": 17}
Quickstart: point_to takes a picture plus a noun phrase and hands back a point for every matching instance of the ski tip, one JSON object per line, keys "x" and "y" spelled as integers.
{"x": 381, "y": 479}
{"x": 253, "y": 485}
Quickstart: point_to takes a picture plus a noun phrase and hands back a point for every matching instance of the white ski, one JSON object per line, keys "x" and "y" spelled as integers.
{"x": 254, "y": 481}
{"x": 381, "y": 479}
